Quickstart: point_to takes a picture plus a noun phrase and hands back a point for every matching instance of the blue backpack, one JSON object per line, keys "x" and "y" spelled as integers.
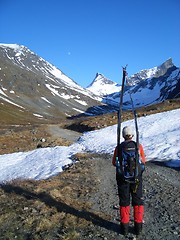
{"x": 128, "y": 165}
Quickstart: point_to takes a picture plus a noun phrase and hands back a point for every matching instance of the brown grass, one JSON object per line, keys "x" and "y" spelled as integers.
{"x": 59, "y": 206}
{"x": 27, "y": 137}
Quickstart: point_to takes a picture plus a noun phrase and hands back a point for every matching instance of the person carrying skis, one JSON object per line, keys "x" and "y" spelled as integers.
{"x": 127, "y": 188}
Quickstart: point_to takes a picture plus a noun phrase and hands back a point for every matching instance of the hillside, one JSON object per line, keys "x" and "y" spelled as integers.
{"x": 33, "y": 90}
{"x": 38, "y": 91}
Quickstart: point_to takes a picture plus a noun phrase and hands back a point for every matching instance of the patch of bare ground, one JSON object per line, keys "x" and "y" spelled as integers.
{"x": 16, "y": 138}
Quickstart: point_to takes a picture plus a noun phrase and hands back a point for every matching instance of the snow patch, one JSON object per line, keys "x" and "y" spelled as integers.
{"x": 159, "y": 135}
{"x": 45, "y": 99}
{"x": 78, "y": 110}
{"x": 81, "y": 102}
{"x": 37, "y": 115}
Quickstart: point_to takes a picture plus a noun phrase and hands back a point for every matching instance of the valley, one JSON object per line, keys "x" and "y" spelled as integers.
{"x": 24, "y": 137}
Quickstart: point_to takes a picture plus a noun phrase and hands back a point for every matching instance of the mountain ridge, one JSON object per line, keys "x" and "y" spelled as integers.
{"x": 34, "y": 87}
{"x": 147, "y": 86}
{"x": 33, "y": 84}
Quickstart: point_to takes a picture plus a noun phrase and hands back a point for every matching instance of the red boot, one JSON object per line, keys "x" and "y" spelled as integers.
{"x": 124, "y": 218}
{"x": 138, "y": 218}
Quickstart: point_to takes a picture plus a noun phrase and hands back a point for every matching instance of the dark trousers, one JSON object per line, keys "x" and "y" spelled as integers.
{"x": 126, "y": 191}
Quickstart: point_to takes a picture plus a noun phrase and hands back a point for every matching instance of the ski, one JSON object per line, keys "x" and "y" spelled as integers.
{"x": 119, "y": 163}
{"x": 137, "y": 134}
{"x": 120, "y": 106}
{"x": 135, "y": 120}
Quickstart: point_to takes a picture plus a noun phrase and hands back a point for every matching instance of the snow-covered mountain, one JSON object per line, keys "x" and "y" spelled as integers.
{"x": 155, "y": 89}
{"x": 34, "y": 89}
{"x": 101, "y": 86}
{"x": 149, "y": 73}
{"x": 147, "y": 87}
{"x": 31, "y": 84}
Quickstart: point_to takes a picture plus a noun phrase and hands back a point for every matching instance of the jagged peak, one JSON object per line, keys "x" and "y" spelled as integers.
{"x": 149, "y": 73}
{"x": 167, "y": 64}
{"x": 101, "y": 78}
{"x": 99, "y": 74}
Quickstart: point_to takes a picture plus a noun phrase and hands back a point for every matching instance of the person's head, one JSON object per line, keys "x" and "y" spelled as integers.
{"x": 127, "y": 133}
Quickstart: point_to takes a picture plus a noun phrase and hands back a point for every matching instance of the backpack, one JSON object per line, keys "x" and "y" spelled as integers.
{"x": 128, "y": 165}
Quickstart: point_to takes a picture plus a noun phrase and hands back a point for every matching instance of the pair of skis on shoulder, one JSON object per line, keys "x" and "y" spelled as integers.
{"x": 120, "y": 116}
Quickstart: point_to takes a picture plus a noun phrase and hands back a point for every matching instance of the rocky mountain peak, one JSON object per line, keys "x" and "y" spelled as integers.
{"x": 103, "y": 86}
{"x": 163, "y": 68}
{"x": 149, "y": 73}
{"x": 101, "y": 79}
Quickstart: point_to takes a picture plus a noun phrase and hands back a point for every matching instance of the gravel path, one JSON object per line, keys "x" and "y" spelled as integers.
{"x": 69, "y": 135}
{"x": 161, "y": 196}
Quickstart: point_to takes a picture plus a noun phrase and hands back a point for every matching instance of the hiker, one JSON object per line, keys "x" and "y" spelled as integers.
{"x": 127, "y": 188}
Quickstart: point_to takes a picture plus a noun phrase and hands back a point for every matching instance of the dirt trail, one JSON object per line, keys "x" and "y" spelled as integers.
{"x": 57, "y": 131}
{"x": 161, "y": 196}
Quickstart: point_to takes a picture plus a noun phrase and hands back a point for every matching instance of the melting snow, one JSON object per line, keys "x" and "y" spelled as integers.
{"x": 45, "y": 99}
{"x": 159, "y": 135}
{"x": 78, "y": 110}
{"x": 37, "y": 115}
{"x": 81, "y": 102}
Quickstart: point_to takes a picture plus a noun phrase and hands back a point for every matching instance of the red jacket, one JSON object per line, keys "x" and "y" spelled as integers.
{"x": 141, "y": 151}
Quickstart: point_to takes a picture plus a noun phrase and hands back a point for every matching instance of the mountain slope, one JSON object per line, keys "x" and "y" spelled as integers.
{"x": 33, "y": 90}
{"x": 147, "y": 87}
{"x": 31, "y": 84}
{"x": 163, "y": 84}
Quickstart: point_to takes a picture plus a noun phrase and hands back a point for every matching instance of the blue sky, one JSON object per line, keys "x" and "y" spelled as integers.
{"x": 83, "y": 37}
